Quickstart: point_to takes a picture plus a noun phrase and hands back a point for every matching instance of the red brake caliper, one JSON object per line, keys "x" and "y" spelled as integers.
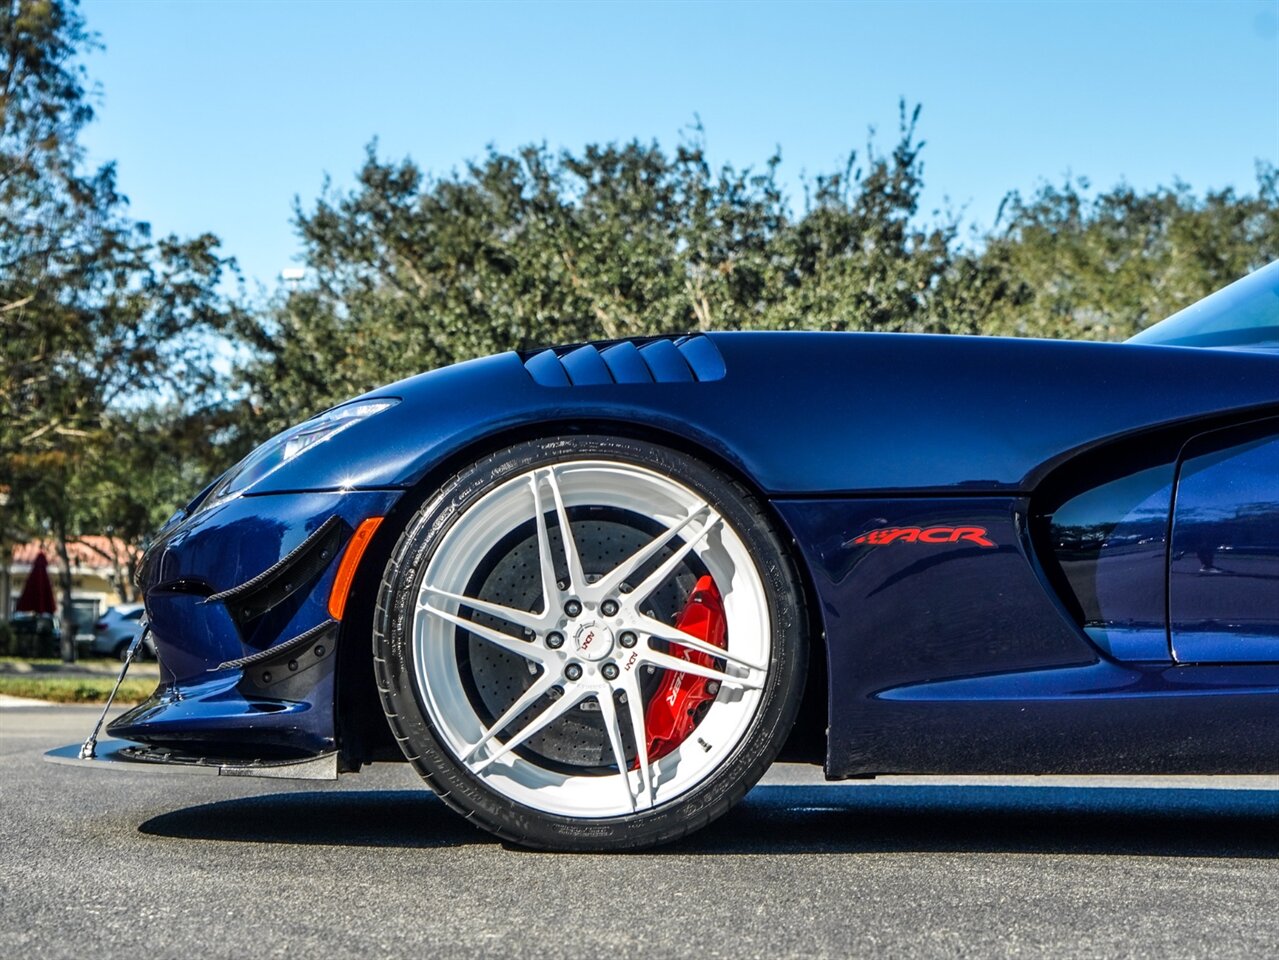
{"x": 672, "y": 712}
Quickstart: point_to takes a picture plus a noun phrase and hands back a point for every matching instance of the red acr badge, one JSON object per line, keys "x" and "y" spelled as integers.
{"x": 886, "y": 535}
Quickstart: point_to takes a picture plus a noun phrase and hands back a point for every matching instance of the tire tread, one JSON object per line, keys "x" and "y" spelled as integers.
{"x": 622, "y": 839}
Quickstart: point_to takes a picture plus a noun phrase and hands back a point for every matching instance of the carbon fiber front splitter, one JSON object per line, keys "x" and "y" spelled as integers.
{"x": 138, "y": 758}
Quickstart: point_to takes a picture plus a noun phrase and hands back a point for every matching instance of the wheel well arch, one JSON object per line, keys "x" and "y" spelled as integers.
{"x": 362, "y": 731}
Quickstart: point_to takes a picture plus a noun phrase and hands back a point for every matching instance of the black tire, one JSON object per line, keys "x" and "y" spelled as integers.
{"x": 467, "y": 792}
{"x": 121, "y": 651}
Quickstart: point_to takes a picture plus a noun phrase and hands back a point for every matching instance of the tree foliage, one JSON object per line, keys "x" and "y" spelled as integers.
{"x": 112, "y": 411}
{"x": 98, "y": 319}
{"x": 1104, "y": 266}
{"x": 410, "y": 272}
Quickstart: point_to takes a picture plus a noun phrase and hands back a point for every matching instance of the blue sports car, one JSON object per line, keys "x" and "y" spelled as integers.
{"x": 590, "y": 593}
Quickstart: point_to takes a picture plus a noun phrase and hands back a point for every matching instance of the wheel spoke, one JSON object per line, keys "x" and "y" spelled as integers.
{"x": 635, "y": 704}
{"x": 671, "y": 634}
{"x": 521, "y": 618}
{"x": 615, "y": 577}
{"x": 509, "y": 745}
{"x": 504, "y": 640}
{"x": 539, "y": 689}
{"x": 544, "y": 559}
{"x": 653, "y": 658}
{"x": 577, "y": 580}
{"x": 548, "y": 716}
{"x": 608, "y": 713}
{"x": 668, "y": 566}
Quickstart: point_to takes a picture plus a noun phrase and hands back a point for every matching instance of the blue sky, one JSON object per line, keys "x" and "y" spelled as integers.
{"x": 218, "y": 114}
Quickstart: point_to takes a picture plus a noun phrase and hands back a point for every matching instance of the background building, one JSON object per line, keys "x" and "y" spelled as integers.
{"x": 100, "y": 568}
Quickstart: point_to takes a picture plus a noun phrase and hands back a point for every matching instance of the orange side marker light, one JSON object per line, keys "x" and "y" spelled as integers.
{"x": 350, "y": 561}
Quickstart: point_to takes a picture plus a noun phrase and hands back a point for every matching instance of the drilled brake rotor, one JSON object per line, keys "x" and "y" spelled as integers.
{"x": 494, "y": 678}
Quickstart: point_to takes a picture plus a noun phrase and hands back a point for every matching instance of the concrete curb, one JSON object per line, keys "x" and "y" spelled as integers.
{"x": 7, "y": 701}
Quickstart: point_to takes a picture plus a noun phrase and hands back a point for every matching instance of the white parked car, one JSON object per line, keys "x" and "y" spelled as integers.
{"x": 115, "y": 630}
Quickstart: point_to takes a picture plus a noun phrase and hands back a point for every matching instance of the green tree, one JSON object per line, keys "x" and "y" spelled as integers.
{"x": 1104, "y": 266}
{"x": 860, "y": 258}
{"x": 410, "y": 273}
{"x": 97, "y": 318}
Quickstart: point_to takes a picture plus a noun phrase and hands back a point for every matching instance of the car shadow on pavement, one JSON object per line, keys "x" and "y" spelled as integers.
{"x": 862, "y": 818}
{"x": 356, "y": 818}
{"x": 873, "y": 818}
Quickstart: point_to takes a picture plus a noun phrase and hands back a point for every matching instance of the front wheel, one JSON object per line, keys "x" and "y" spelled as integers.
{"x": 590, "y": 642}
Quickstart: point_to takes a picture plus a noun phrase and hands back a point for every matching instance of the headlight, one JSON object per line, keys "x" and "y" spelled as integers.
{"x": 289, "y": 445}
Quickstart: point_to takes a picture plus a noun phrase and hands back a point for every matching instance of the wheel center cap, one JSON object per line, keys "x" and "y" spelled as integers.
{"x": 593, "y": 641}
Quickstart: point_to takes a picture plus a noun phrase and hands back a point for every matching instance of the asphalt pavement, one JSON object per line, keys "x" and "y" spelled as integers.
{"x": 108, "y": 864}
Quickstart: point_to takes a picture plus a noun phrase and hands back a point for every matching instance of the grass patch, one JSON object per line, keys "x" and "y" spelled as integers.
{"x": 74, "y": 689}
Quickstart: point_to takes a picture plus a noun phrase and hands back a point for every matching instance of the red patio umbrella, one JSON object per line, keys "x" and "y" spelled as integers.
{"x": 37, "y": 592}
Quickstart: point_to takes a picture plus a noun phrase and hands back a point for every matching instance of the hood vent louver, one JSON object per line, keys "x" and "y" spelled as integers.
{"x": 691, "y": 359}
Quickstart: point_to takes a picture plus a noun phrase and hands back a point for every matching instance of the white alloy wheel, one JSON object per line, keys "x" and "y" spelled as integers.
{"x": 590, "y": 642}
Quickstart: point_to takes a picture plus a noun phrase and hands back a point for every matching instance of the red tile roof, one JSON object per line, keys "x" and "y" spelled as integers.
{"x": 90, "y": 551}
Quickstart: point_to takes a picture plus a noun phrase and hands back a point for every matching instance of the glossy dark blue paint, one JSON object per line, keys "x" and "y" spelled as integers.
{"x": 1100, "y": 718}
{"x": 1223, "y": 590}
{"x": 212, "y": 551}
{"x": 814, "y": 413}
{"x": 947, "y": 658}
{"x": 944, "y": 657}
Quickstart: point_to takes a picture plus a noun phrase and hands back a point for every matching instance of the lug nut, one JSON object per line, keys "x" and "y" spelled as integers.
{"x": 627, "y": 639}
{"x": 573, "y": 672}
{"x": 609, "y": 608}
{"x": 572, "y": 608}
{"x": 610, "y": 671}
{"x": 555, "y": 640}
